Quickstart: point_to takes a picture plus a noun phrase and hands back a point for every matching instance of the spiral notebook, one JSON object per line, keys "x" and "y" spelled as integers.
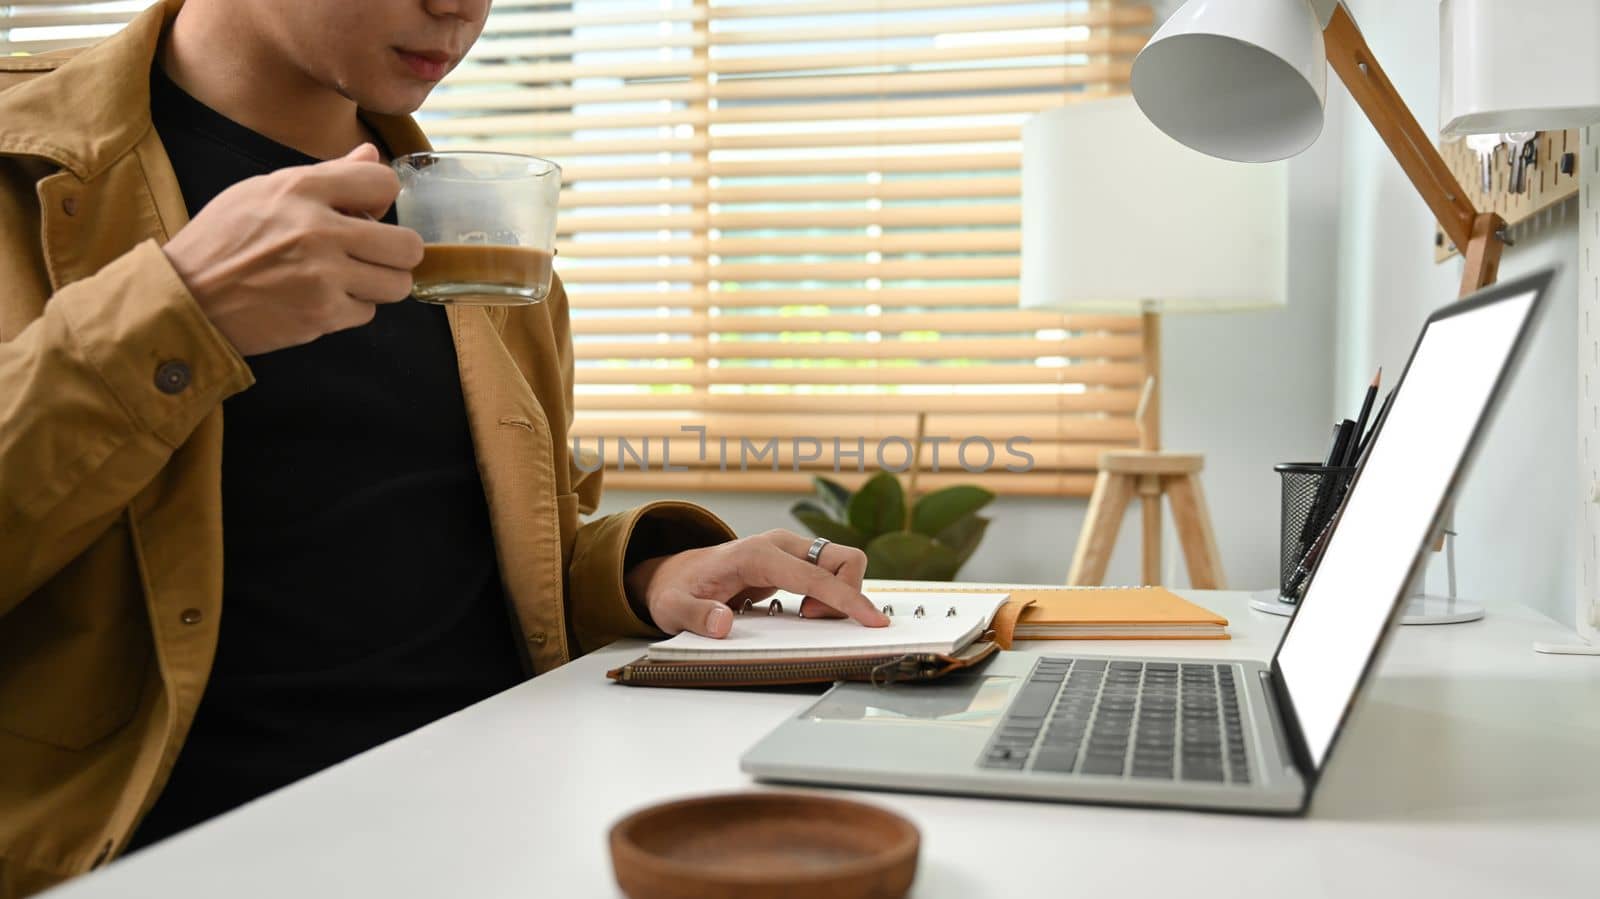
{"x": 933, "y": 622}
{"x": 930, "y": 635}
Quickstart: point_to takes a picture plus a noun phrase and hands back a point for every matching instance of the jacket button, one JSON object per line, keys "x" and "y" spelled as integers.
{"x": 173, "y": 377}
{"x": 538, "y": 639}
{"x": 69, "y": 205}
{"x": 189, "y": 616}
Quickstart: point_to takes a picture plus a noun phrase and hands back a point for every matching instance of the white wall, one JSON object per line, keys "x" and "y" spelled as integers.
{"x": 1247, "y": 389}
{"x": 1515, "y": 517}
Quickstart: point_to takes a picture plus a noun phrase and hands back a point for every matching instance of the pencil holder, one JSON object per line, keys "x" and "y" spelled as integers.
{"x": 1311, "y": 494}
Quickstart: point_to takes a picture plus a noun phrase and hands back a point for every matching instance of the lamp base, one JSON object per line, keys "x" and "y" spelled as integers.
{"x": 1420, "y": 608}
{"x": 1568, "y": 649}
{"x": 1271, "y": 602}
{"x": 1425, "y": 608}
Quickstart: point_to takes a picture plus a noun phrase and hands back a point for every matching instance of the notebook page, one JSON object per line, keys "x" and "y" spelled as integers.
{"x": 757, "y": 635}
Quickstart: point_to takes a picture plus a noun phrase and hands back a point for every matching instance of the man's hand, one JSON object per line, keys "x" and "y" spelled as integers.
{"x": 279, "y": 260}
{"x": 694, "y": 590}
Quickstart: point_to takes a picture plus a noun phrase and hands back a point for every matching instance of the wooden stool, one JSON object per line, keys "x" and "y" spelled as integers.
{"x": 1150, "y": 474}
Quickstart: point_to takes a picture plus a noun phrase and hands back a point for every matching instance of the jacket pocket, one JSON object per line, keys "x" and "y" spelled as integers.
{"x": 74, "y": 656}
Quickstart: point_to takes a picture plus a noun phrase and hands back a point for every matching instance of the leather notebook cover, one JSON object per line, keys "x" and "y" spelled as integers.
{"x": 883, "y": 670}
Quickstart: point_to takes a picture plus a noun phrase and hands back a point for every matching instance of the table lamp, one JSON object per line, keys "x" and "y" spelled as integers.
{"x": 1245, "y": 80}
{"x": 1118, "y": 218}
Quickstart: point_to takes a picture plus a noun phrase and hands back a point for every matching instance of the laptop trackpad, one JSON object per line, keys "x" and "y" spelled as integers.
{"x": 968, "y": 701}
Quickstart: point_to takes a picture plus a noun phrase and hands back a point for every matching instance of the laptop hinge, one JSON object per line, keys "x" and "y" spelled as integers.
{"x": 1280, "y": 727}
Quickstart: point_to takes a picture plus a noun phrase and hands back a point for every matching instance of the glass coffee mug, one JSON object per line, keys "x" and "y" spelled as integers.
{"x": 488, "y": 225}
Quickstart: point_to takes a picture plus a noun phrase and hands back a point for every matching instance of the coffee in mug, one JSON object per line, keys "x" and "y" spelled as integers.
{"x": 485, "y": 274}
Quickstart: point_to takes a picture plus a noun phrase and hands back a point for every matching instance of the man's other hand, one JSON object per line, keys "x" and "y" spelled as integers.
{"x": 696, "y": 590}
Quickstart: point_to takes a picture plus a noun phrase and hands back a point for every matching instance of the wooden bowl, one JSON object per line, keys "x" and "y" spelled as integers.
{"x": 764, "y": 846}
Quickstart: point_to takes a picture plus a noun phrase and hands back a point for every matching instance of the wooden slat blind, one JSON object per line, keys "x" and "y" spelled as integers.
{"x": 793, "y": 224}
{"x": 36, "y": 26}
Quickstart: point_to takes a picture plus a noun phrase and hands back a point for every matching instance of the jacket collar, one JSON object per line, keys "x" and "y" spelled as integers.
{"x": 91, "y": 110}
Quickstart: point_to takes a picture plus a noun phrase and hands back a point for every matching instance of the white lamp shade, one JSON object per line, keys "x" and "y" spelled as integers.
{"x": 1236, "y": 79}
{"x": 1117, "y": 217}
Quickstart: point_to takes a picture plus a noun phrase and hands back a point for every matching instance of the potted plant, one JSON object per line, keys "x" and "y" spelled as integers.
{"x": 925, "y": 540}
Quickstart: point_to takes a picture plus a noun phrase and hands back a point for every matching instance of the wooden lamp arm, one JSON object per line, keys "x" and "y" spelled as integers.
{"x": 1478, "y": 234}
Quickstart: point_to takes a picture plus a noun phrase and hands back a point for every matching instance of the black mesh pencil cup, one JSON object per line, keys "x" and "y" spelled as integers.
{"x": 1311, "y": 494}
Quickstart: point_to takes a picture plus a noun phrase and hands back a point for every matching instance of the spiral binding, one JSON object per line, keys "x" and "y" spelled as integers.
{"x": 775, "y": 607}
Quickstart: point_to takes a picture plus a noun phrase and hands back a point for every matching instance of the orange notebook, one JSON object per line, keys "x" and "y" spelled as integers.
{"x": 1114, "y": 613}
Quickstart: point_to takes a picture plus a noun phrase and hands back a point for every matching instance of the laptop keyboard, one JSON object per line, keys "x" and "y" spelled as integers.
{"x": 1154, "y": 720}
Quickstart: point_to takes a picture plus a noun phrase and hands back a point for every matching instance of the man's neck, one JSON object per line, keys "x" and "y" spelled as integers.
{"x": 222, "y": 62}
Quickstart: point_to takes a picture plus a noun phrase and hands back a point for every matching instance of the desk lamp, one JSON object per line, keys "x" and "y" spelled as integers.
{"x": 1245, "y": 80}
{"x": 1117, "y": 218}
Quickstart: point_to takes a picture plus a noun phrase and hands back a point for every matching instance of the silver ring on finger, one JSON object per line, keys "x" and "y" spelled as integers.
{"x": 815, "y": 552}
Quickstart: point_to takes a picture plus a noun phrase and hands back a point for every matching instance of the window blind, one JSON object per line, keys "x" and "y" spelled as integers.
{"x": 790, "y": 230}
{"x": 38, "y": 26}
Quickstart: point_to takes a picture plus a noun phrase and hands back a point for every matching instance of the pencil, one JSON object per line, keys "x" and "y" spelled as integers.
{"x": 1352, "y": 453}
{"x": 1336, "y": 453}
{"x": 1377, "y": 422}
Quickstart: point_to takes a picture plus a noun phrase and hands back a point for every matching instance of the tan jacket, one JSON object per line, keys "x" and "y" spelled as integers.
{"x": 110, "y": 476}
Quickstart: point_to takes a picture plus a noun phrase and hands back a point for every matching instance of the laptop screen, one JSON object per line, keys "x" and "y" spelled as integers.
{"x": 1444, "y": 393}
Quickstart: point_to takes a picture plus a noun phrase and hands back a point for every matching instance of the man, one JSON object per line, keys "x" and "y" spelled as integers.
{"x": 257, "y": 514}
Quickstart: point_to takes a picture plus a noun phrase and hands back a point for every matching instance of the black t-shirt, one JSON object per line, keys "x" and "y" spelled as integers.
{"x": 361, "y": 598}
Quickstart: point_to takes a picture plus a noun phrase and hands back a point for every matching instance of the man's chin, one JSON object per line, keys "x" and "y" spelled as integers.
{"x": 393, "y": 100}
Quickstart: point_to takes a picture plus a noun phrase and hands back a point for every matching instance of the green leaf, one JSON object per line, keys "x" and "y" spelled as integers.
{"x": 879, "y": 506}
{"x": 963, "y": 536}
{"x": 822, "y": 524}
{"x": 834, "y": 495}
{"x": 907, "y": 555}
{"x": 942, "y": 508}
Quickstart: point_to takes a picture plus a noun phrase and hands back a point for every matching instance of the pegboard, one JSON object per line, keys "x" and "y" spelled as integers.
{"x": 1547, "y": 183}
{"x": 1588, "y": 330}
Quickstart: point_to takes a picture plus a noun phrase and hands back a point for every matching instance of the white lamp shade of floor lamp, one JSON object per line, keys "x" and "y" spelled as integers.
{"x": 1118, "y": 217}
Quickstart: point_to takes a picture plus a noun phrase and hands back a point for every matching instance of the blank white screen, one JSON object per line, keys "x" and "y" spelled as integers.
{"x": 1388, "y": 513}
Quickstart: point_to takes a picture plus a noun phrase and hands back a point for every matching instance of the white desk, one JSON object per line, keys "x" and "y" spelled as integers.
{"x": 1472, "y": 770}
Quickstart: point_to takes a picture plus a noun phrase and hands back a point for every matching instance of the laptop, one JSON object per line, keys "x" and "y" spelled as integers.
{"x": 1190, "y": 733}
